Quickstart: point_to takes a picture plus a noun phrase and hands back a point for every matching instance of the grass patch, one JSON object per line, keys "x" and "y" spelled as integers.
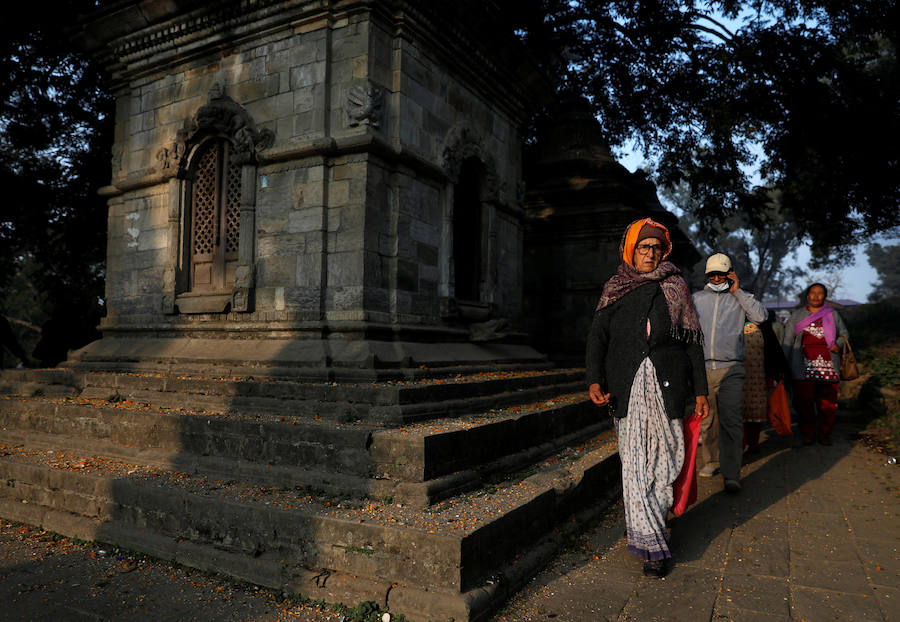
{"x": 875, "y": 336}
{"x": 873, "y": 326}
{"x": 883, "y": 432}
{"x": 885, "y": 368}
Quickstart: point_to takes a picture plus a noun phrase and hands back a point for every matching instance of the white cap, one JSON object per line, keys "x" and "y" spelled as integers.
{"x": 718, "y": 263}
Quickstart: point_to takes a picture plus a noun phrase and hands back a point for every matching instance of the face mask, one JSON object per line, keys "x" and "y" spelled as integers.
{"x": 721, "y": 287}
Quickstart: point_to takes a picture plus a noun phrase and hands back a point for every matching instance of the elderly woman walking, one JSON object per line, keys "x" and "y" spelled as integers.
{"x": 645, "y": 364}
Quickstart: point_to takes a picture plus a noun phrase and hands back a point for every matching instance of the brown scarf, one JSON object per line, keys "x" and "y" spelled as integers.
{"x": 685, "y": 323}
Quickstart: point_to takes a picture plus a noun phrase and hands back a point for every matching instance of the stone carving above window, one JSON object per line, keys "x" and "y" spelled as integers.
{"x": 364, "y": 105}
{"x": 169, "y": 157}
{"x": 224, "y": 117}
{"x": 462, "y": 143}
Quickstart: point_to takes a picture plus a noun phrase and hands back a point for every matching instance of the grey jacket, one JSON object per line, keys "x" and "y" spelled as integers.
{"x": 793, "y": 344}
{"x": 722, "y": 317}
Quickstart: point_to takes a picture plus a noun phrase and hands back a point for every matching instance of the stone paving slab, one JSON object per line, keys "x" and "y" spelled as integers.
{"x": 819, "y": 605}
{"x": 753, "y": 593}
{"x": 683, "y": 597}
{"x": 889, "y": 600}
{"x": 882, "y": 560}
{"x": 813, "y": 536}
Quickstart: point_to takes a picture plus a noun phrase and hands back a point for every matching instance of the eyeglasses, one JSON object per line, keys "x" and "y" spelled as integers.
{"x": 646, "y": 249}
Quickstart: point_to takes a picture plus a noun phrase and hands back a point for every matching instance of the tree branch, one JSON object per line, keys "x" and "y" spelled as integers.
{"x": 27, "y": 325}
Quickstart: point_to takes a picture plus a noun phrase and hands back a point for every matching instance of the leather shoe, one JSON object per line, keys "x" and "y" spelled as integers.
{"x": 732, "y": 485}
{"x": 658, "y": 568}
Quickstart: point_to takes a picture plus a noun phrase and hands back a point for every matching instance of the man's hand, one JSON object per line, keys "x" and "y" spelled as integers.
{"x": 702, "y": 407}
{"x": 597, "y": 395}
{"x": 735, "y": 284}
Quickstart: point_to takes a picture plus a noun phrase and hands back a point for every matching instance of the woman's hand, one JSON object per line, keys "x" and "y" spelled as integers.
{"x": 702, "y": 407}
{"x": 835, "y": 349}
{"x": 597, "y": 395}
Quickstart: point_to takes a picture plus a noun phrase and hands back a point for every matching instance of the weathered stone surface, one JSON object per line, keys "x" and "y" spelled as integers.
{"x": 275, "y": 548}
{"x": 385, "y": 164}
{"x": 433, "y": 573}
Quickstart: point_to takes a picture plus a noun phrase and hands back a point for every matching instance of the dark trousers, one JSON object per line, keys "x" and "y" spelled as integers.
{"x": 722, "y": 433}
{"x": 816, "y": 405}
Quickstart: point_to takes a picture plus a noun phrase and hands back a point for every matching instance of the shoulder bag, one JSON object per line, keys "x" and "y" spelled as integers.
{"x": 849, "y": 369}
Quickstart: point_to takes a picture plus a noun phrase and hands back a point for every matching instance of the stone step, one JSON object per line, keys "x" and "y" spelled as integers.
{"x": 325, "y": 373}
{"x": 389, "y": 403}
{"x": 312, "y": 455}
{"x": 290, "y": 453}
{"x": 431, "y": 461}
{"x": 401, "y": 414}
{"x": 371, "y": 353}
{"x": 23, "y": 382}
{"x": 419, "y": 464}
{"x": 459, "y": 559}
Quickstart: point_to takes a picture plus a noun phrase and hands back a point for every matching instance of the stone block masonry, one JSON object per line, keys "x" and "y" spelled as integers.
{"x": 355, "y": 121}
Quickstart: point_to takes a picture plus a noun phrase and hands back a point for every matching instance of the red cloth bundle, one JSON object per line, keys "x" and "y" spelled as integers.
{"x": 779, "y": 411}
{"x": 685, "y": 487}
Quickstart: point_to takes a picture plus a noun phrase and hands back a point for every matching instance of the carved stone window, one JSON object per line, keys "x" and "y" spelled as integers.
{"x": 212, "y": 210}
{"x": 215, "y": 219}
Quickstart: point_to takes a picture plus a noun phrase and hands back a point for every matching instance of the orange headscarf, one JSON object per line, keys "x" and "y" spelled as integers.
{"x": 632, "y": 238}
{"x": 685, "y": 323}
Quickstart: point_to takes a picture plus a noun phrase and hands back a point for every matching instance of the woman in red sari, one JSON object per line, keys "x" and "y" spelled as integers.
{"x": 811, "y": 345}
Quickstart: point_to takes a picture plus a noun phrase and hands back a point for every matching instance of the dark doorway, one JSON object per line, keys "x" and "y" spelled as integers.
{"x": 467, "y": 230}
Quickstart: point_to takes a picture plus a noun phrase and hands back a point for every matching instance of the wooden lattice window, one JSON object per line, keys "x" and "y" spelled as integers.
{"x": 215, "y": 218}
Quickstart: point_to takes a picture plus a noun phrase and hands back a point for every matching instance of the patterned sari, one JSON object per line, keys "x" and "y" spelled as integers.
{"x": 651, "y": 447}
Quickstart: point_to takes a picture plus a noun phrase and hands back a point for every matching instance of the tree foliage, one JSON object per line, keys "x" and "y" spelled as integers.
{"x": 886, "y": 261}
{"x": 801, "y": 97}
{"x": 55, "y": 121}
{"x": 759, "y": 253}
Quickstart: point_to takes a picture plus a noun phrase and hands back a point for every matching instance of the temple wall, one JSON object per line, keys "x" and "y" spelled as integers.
{"x": 352, "y": 199}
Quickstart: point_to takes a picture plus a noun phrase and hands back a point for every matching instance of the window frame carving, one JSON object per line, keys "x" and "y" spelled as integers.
{"x": 462, "y": 145}
{"x": 221, "y": 124}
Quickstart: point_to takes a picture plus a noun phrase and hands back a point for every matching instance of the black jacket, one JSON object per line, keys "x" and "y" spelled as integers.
{"x": 618, "y": 343}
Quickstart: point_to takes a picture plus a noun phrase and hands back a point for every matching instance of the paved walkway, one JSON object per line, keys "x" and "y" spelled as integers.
{"x": 813, "y": 536}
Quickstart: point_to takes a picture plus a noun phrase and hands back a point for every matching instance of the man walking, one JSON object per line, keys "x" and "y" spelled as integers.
{"x": 723, "y": 308}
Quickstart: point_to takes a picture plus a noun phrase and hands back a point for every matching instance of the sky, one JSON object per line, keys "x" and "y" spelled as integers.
{"x": 856, "y": 279}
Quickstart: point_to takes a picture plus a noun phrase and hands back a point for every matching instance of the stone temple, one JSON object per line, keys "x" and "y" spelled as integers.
{"x": 323, "y": 268}
{"x": 313, "y": 187}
